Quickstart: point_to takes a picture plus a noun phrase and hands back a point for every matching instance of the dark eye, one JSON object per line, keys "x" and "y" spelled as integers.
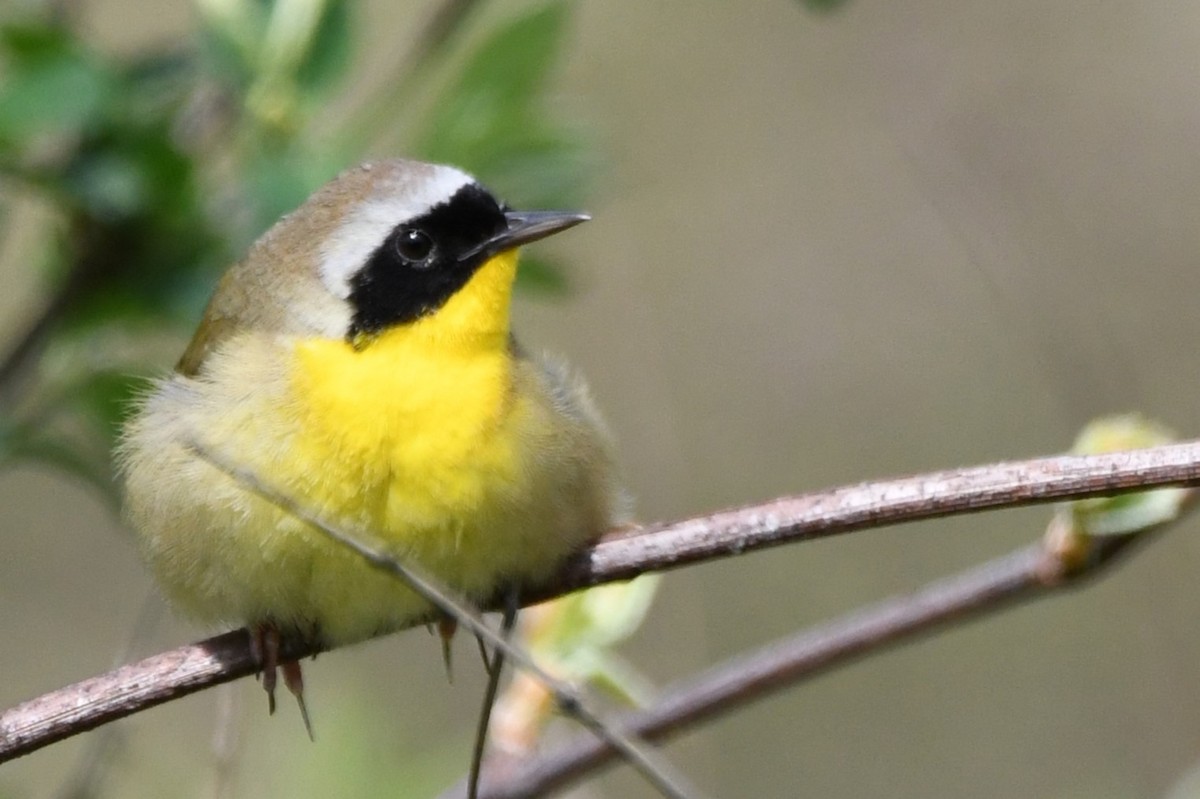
{"x": 414, "y": 246}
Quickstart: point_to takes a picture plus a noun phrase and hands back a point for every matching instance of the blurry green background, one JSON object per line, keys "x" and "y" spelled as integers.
{"x": 826, "y": 247}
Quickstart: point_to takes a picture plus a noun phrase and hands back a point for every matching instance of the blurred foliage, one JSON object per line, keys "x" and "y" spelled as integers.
{"x": 822, "y": 5}
{"x": 160, "y": 167}
{"x": 354, "y": 759}
{"x": 574, "y": 636}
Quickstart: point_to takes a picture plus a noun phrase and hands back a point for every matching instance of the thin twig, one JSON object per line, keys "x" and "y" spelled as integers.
{"x": 495, "y": 667}
{"x": 161, "y": 678}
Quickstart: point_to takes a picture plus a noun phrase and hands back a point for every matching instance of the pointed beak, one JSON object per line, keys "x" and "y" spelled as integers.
{"x": 527, "y": 226}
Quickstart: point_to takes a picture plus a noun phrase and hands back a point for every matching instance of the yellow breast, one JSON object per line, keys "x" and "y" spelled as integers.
{"x": 407, "y": 436}
{"x": 425, "y": 438}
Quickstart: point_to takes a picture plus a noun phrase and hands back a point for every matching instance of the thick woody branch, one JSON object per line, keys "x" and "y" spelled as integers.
{"x": 877, "y": 504}
{"x": 182, "y": 671}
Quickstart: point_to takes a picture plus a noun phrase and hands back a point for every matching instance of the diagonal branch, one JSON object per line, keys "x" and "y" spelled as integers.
{"x": 876, "y": 504}
{"x": 161, "y": 678}
{"x": 1026, "y": 574}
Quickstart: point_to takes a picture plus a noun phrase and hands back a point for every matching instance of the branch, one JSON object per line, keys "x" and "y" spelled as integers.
{"x": 1025, "y": 574}
{"x": 876, "y": 504}
{"x": 121, "y": 692}
{"x": 161, "y": 678}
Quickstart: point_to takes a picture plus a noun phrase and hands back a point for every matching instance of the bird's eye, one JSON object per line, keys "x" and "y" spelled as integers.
{"x": 414, "y": 246}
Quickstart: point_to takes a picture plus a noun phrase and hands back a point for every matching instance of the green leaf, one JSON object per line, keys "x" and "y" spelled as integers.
{"x": 511, "y": 66}
{"x": 330, "y": 48}
{"x": 610, "y": 613}
{"x": 50, "y": 86}
{"x": 30, "y": 41}
{"x": 575, "y": 635}
{"x": 496, "y": 88}
{"x": 588, "y": 622}
{"x": 534, "y": 167}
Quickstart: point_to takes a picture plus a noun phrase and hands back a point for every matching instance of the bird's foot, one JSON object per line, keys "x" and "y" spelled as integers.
{"x": 446, "y": 628}
{"x": 265, "y": 643}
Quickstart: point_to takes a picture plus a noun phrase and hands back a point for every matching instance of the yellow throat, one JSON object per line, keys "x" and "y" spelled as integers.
{"x": 415, "y": 396}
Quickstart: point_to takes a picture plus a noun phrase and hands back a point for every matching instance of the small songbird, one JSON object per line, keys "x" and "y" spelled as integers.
{"x": 359, "y": 360}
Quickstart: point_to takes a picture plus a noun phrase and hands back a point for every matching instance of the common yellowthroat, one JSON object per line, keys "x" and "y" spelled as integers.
{"x": 360, "y": 360}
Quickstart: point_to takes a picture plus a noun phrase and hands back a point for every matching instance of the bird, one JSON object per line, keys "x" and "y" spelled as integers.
{"x": 359, "y": 359}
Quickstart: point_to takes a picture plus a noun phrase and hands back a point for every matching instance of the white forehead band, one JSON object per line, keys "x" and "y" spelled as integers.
{"x": 365, "y": 228}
